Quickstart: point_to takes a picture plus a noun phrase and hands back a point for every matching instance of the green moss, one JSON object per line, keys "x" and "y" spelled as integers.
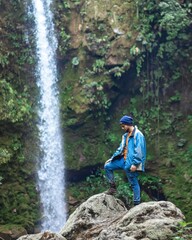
{"x": 178, "y": 188}
{"x": 86, "y": 145}
{"x": 83, "y": 92}
{"x": 175, "y": 169}
{"x": 12, "y": 231}
{"x": 9, "y": 227}
{"x": 13, "y": 107}
{"x": 71, "y": 98}
{"x": 5, "y": 155}
{"x": 18, "y": 205}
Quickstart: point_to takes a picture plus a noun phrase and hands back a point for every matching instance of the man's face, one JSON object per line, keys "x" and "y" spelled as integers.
{"x": 125, "y": 127}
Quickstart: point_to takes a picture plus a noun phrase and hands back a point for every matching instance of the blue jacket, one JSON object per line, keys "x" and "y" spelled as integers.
{"x": 136, "y": 154}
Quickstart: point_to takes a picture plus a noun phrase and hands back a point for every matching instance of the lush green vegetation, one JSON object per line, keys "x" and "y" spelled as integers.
{"x": 163, "y": 68}
{"x": 164, "y": 44}
{"x": 153, "y": 90}
{"x": 184, "y": 231}
{"x": 97, "y": 183}
{"x": 14, "y": 107}
{"x": 18, "y": 197}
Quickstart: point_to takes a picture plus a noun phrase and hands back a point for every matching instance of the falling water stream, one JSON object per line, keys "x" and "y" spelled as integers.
{"x": 51, "y": 159}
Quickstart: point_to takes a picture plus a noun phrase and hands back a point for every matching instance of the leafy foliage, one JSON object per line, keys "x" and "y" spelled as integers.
{"x": 5, "y": 155}
{"x": 75, "y": 61}
{"x": 18, "y": 204}
{"x": 94, "y": 184}
{"x": 174, "y": 19}
{"x": 98, "y": 98}
{"x": 162, "y": 49}
{"x": 184, "y": 231}
{"x": 163, "y": 41}
{"x": 14, "y": 107}
{"x": 97, "y": 183}
{"x": 17, "y": 94}
{"x": 98, "y": 65}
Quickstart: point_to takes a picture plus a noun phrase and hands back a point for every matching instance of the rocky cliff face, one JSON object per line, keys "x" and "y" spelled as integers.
{"x": 121, "y": 57}
{"x": 104, "y": 217}
{"x": 118, "y": 58}
{"x": 95, "y": 39}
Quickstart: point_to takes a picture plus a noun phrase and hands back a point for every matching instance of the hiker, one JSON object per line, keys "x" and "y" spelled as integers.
{"x": 130, "y": 156}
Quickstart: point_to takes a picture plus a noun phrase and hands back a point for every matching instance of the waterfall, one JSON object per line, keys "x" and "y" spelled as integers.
{"x": 50, "y": 170}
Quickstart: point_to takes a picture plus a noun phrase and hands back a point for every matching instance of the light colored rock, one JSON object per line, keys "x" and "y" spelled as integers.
{"x": 151, "y": 220}
{"x": 94, "y": 214}
{"x": 104, "y": 217}
{"x": 43, "y": 236}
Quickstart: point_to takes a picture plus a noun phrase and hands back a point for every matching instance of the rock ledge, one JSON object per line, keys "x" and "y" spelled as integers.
{"x": 104, "y": 217}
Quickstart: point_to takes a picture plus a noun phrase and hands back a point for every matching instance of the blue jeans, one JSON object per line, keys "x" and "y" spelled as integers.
{"x": 132, "y": 176}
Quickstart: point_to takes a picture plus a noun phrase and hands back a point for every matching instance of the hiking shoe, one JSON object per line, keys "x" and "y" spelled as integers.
{"x": 136, "y": 203}
{"x": 112, "y": 190}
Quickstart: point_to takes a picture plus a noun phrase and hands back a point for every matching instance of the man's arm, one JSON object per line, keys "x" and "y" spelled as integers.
{"x": 119, "y": 150}
{"x": 139, "y": 151}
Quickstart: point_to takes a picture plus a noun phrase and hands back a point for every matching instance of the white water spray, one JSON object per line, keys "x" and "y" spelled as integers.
{"x": 51, "y": 163}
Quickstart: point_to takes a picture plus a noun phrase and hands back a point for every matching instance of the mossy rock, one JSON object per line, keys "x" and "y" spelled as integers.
{"x": 12, "y": 231}
{"x": 83, "y": 95}
{"x": 19, "y": 204}
{"x": 83, "y": 146}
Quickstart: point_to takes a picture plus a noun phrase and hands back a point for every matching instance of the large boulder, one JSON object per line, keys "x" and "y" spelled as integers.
{"x": 93, "y": 216}
{"x": 104, "y": 217}
{"x": 149, "y": 221}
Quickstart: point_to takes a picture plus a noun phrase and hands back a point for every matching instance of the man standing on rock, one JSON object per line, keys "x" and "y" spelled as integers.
{"x": 130, "y": 156}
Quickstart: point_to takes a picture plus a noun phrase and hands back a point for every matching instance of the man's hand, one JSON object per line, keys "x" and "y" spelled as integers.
{"x": 133, "y": 168}
{"x": 109, "y": 160}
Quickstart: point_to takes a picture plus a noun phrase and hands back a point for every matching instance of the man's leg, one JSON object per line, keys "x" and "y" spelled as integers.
{"x": 133, "y": 180}
{"x": 109, "y": 168}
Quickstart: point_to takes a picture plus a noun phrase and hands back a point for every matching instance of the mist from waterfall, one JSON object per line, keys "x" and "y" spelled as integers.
{"x": 50, "y": 172}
